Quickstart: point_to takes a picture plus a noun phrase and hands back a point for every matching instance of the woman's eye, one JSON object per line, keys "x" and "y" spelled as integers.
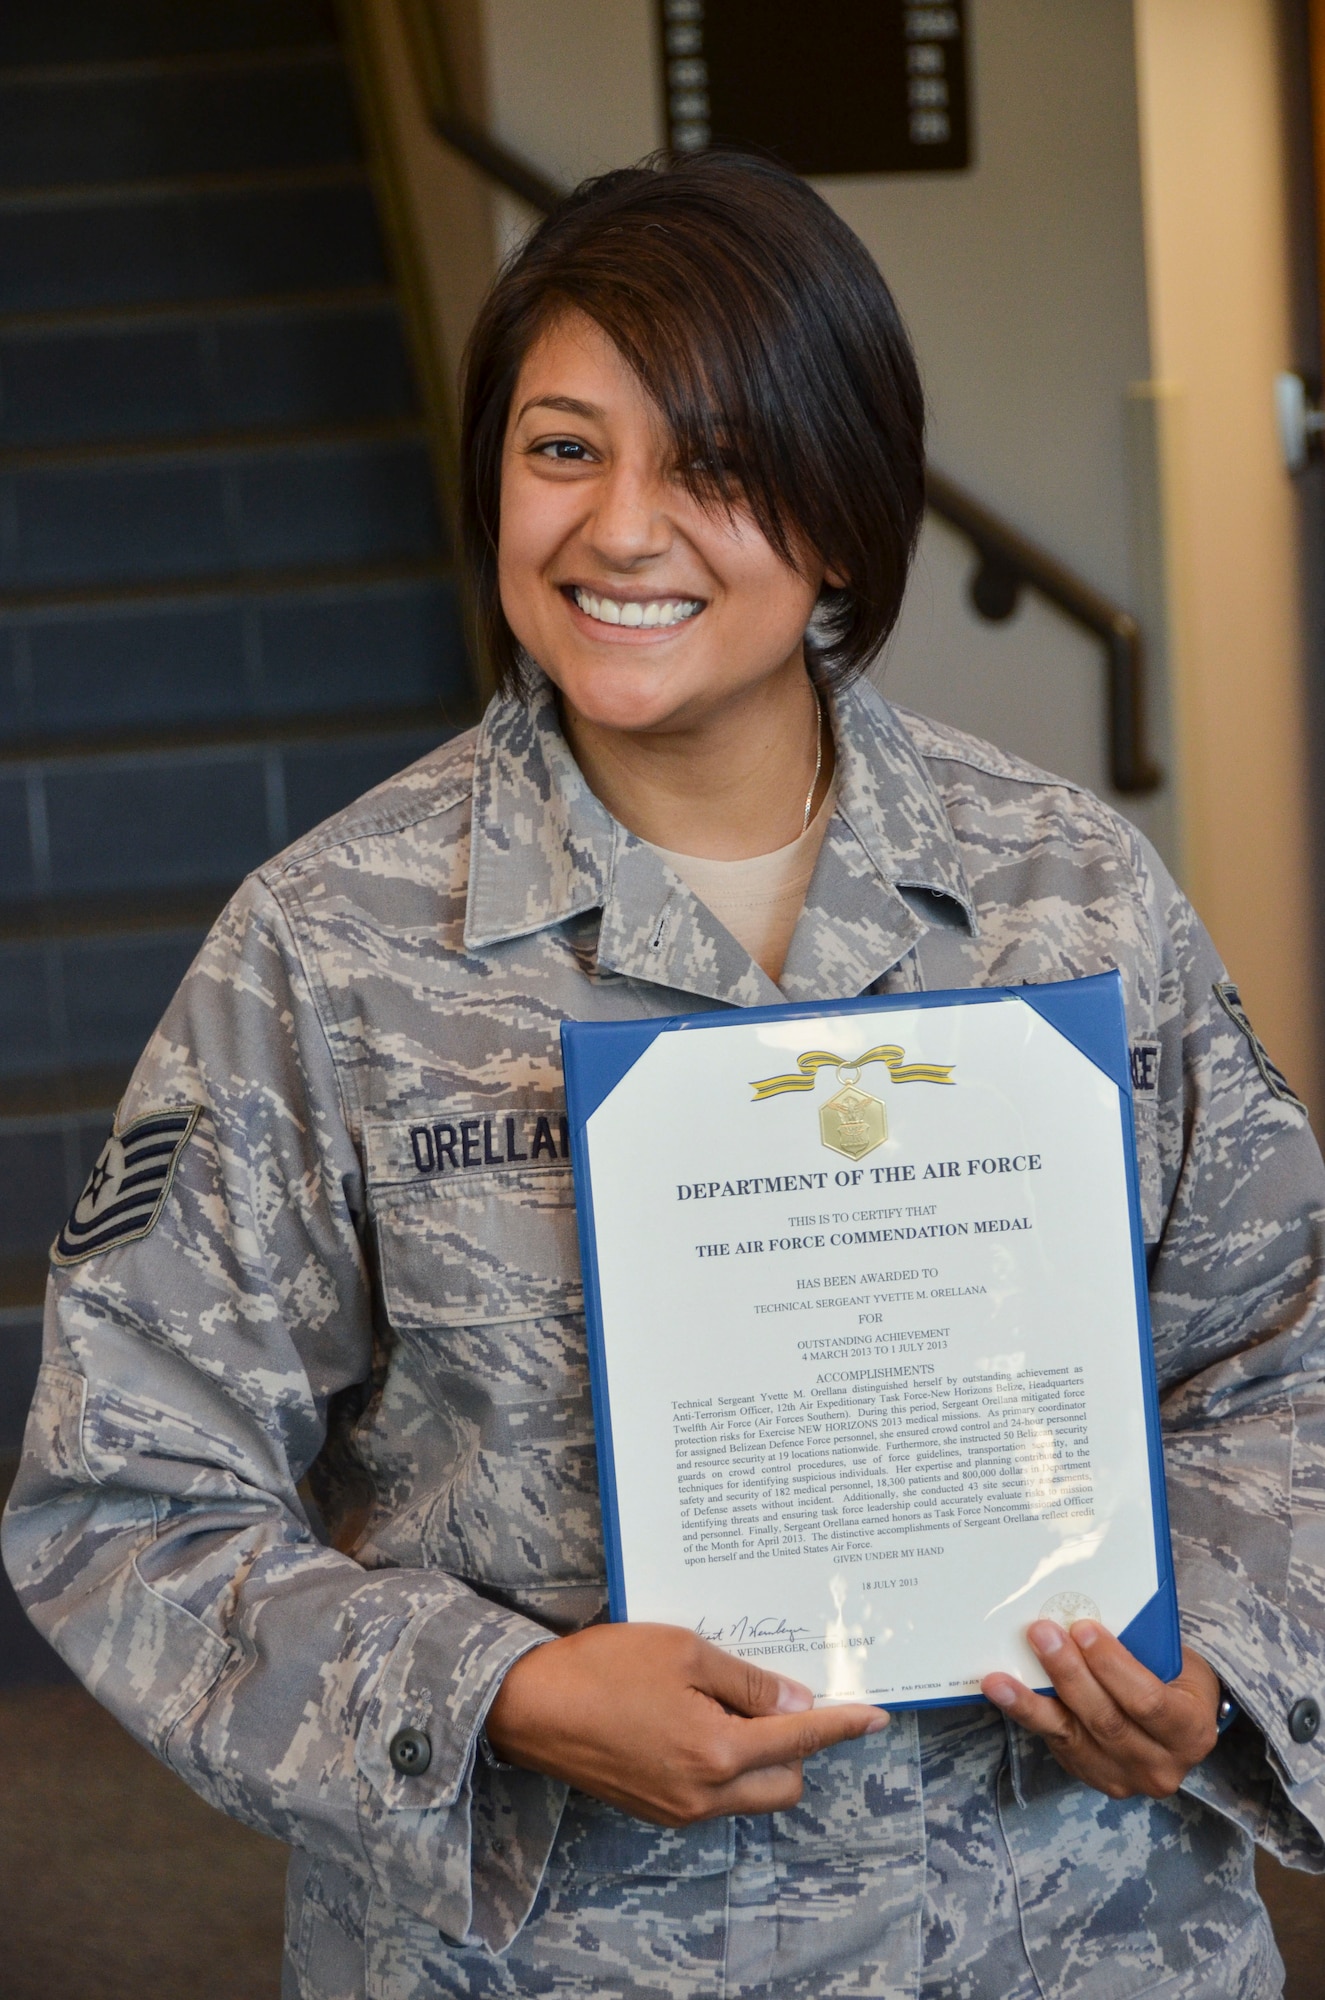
{"x": 563, "y": 451}
{"x": 715, "y": 465}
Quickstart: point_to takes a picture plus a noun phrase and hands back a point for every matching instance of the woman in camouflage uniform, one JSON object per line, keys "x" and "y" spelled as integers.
{"x": 330, "y": 1248}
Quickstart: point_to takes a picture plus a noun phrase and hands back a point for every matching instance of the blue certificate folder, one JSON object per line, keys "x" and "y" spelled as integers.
{"x": 1088, "y": 1014}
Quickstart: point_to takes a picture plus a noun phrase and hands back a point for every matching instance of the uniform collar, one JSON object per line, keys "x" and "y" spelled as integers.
{"x": 544, "y": 849}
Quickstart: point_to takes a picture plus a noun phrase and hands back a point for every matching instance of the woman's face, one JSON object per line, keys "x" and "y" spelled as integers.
{"x": 646, "y": 609}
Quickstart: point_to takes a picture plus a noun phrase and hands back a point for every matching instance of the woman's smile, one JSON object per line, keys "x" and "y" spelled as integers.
{"x": 637, "y": 616}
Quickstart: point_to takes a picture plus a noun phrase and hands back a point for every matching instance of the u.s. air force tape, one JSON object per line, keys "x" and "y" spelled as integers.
{"x": 127, "y": 1188}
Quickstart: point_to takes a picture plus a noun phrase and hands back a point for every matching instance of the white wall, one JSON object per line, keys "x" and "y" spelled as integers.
{"x": 1098, "y": 356}
{"x": 1023, "y": 282}
{"x": 573, "y": 85}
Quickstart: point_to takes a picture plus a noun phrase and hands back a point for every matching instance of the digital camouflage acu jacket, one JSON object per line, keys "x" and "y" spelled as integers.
{"x": 359, "y": 1257}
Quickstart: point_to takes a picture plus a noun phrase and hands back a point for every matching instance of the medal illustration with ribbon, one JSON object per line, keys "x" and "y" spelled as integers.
{"x": 851, "y": 1121}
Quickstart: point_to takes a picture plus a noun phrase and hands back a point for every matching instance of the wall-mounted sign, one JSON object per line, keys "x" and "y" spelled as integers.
{"x": 829, "y": 86}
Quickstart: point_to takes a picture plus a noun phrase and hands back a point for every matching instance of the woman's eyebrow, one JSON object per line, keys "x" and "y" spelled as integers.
{"x": 569, "y": 404}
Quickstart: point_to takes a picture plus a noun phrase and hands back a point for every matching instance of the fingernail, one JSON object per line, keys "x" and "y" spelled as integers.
{"x": 1001, "y": 1693}
{"x": 792, "y": 1697}
{"x": 879, "y": 1720}
{"x": 1085, "y": 1633}
{"x": 1046, "y": 1637}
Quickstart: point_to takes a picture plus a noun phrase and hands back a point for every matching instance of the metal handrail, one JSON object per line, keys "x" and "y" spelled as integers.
{"x": 432, "y": 72}
{"x": 1008, "y": 561}
{"x": 498, "y": 162}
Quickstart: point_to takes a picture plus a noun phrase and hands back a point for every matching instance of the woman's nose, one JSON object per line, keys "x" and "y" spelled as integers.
{"x": 629, "y": 524}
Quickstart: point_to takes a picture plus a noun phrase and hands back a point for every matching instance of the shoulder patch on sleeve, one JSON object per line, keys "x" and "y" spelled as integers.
{"x": 1226, "y": 993}
{"x": 127, "y": 1188}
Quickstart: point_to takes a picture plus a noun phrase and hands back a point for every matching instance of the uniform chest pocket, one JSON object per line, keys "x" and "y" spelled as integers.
{"x": 480, "y": 1249}
{"x": 484, "y": 1429}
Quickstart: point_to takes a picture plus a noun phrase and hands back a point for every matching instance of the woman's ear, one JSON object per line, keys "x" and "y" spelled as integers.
{"x": 834, "y": 580}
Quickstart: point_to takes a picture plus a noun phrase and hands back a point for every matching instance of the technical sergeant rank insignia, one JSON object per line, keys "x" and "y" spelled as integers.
{"x": 127, "y": 1188}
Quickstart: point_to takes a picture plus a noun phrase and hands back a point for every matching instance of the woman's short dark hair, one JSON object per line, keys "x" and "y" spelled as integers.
{"x": 762, "y": 328}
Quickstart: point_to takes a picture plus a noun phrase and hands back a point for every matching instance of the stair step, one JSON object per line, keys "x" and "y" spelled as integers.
{"x": 261, "y": 732}
{"x": 121, "y": 124}
{"x": 22, "y": 1289}
{"x": 188, "y": 63}
{"x": 25, "y": 1658}
{"x": 93, "y": 1001}
{"x": 88, "y": 30}
{"x": 206, "y": 512}
{"x": 180, "y": 819}
{"x": 195, "y": 589}
{"x": 82, "y": 918}
{"x": 211, "y": 447}
{"x": 45, "y": 1157}
{"x": 47, "y": 1102}
{"x": 147, "y": 190}
{"x": 137, "y": 312}
{"x": 136, "y": 823}
{"x": 118, "y": 247}
{"x": 317, "y": 645}
{"x": 218, "y": 535}
{"x": 324, "y": 362}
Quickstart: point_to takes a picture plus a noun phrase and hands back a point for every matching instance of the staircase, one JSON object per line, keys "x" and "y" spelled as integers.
{"x": 225, "y": 600}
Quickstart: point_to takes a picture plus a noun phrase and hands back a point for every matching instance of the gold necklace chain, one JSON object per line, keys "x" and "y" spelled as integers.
{"x": 818, "y": 760}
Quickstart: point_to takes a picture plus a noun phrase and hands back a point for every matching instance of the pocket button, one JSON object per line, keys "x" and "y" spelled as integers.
{"x": 1304, "y": 1719}
{"x": 410, "y": 1753}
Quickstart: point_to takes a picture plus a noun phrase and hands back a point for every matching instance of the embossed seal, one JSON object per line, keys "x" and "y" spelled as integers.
{"x": 1066, "y": 1606}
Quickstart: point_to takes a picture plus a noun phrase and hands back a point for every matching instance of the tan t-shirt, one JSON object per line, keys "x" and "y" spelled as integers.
{"x": 758, "y": 900}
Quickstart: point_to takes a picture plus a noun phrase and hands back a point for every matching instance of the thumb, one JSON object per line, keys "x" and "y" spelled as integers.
{"x": 747, "y": 1689}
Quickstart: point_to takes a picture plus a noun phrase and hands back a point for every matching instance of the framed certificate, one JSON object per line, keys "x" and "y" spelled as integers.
{"x": 869, "y": 1337}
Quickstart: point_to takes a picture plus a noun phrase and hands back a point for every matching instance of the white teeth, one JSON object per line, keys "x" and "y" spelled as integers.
{"x": 658, "y": 611}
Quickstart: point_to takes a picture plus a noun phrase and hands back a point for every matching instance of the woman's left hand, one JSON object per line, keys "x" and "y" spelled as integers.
{"x": 1114, "y": 1725}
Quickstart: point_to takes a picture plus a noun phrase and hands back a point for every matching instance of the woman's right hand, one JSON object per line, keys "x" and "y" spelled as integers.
{"x": 664, "y": 1725}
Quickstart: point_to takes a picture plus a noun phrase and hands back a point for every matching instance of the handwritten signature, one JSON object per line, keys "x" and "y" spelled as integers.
{"x": 743, "y": 1630}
